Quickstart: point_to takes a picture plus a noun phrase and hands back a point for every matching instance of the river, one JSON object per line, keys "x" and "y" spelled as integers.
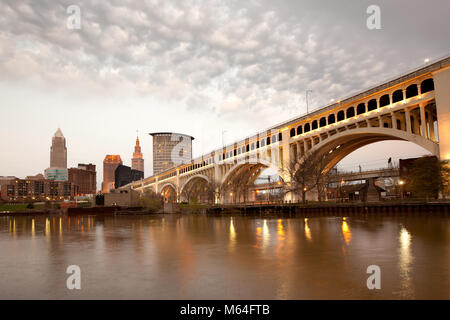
{"x": 176, "y": 256}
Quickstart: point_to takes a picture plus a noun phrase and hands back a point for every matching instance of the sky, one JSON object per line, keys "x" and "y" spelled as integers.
{"x": 216, "y": 70}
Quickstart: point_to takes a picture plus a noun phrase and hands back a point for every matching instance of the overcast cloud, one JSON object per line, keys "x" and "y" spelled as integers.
{"x": 198, "y": 67}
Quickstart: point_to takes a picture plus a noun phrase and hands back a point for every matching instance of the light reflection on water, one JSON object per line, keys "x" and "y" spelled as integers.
{"x": 202, "y": 257}
{"x": 405, "y": 261}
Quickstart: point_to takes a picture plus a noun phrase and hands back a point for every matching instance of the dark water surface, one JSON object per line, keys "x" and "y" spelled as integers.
{"x": 222, "y": 257}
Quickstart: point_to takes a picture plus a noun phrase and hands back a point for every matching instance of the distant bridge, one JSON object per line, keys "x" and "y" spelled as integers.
{"x": 364, "y": 175}
{"x": 413, "y": 107}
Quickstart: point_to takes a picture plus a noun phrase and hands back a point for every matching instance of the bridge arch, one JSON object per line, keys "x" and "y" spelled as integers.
{"x": 236, "y": 183}
{"x": 342, "y": 144}
{"x": 194, "y": 188}
{"x": 169, "y": 192}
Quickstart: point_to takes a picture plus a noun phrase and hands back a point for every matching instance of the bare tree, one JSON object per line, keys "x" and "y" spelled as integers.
{"x": 306, "y": 174}
{"x": 214, "y": 190}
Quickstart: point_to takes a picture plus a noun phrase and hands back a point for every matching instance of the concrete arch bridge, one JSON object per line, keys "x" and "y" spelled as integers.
{"x": 413, "y": 107}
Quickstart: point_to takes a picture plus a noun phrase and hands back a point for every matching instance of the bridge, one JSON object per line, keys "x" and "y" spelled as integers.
{"x": 364, "y": 175}
{"x": 413, "y": 107}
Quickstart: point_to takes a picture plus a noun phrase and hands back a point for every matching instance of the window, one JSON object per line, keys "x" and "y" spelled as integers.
{"x": 307, "y": 127}
{"x": 322, "y": 122}
{"x": 331, "y": 119}
{"x": 314, "y": 125}
{"x": 372, "y": 105}
{"x": 397, "y": 96}
{"x": 384, "y": 100}
{"x": 427, "y": 85}
{"x": 292, "y": 132}
{"x": 340, "y": 115}
{"x": 350, "y": 112}
{"x": 361, "y": 108}
{"x": 299, "y": 130}
{"x": 411, "y": 91}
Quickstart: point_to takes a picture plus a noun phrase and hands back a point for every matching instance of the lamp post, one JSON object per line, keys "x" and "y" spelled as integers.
{"x": 401, "y": 183}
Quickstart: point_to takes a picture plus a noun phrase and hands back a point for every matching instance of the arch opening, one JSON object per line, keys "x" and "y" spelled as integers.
{"x": 197, "y": 189}
{"x": 169, "y": 193}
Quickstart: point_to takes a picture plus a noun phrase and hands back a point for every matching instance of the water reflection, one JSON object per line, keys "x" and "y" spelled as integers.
{"x": 203, "y": 257}
{"x": 232, "y": 235}
{"x": 307, "y": 231}
{"x": 346, "y": 231}
{"x": 405, "y": 260}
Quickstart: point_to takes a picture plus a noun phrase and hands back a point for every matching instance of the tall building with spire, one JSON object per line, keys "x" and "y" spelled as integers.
{"x": 137, "y": 162}
{"x": 58, "y": 151}
{"x": 58, "y": 158}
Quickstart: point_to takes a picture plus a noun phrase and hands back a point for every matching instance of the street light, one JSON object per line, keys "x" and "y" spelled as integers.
{"x": 401, "y": 183}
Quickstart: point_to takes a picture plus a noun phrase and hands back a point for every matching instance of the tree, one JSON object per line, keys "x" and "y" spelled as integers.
{"x": 425, "y": 178}
{"x": 307, "y": 173}
{"x": 213, "y": 191}
{"x": 151, "y": 201}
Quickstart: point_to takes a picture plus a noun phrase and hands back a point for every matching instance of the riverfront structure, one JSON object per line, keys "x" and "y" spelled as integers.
{"x": 110, "y": 165}
{"x": 85, "y": 178}
{"x": 170, "y": 150}
{"x": 413, "y": 107}
{"x": 58, "y": 158}
{"x": 29, "y": 190}
{"x": 137, "y": 162}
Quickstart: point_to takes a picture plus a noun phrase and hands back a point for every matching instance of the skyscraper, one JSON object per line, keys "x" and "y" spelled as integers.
{"x": 110, "y": 165}
{"x": 170, "y": 149}
{"x": 58, "y": 158}
{"x": 58, "y": 151}
{"x": 137, "y": 162}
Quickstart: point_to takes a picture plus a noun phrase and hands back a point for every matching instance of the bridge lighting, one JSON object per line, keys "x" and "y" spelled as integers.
{"x": 401, "y": 182}
{"x": 304, "y": 189}
{"x": 342, "y": 181}
{"x": 426, "y": 60}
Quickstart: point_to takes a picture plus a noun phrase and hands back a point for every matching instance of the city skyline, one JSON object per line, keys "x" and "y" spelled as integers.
{"x": 210, "y": 78}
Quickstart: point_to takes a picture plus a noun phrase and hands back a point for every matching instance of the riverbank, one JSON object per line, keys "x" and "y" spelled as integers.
{"x": 337, "y": 209}
{"x": 277, "y": 209}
